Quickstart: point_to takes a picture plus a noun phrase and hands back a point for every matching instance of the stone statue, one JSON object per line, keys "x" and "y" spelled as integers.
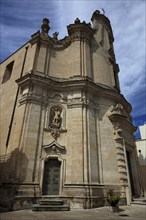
{"x": 45, "y": 26}
{"x": 56, "y": 118}
{"x": 55, "y": 35}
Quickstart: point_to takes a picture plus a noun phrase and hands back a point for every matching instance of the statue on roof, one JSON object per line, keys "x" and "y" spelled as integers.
{"x": 45, "y": 26}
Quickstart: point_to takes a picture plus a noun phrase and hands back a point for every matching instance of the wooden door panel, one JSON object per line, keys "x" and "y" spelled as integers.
{"x": 51, "y": 181}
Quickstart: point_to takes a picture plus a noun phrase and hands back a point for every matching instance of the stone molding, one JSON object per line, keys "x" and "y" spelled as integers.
{"x": 68, "y": 84}
{"x": 83, "y": 83}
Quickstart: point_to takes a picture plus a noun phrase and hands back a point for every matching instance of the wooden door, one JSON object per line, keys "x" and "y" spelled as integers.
{"x": 51, "y": 180}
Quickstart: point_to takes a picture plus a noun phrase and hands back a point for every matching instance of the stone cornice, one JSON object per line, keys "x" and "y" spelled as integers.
{"x": 73, "y": 83}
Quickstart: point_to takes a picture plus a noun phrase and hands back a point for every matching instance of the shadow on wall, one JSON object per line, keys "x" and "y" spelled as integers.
{"x": 13, "y": 169}
{"x": 142, "y": 160}
{"x": 142, "y": 168}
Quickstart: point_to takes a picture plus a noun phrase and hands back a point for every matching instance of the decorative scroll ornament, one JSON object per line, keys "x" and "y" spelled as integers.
{"x": 117, "y": 131}
{"x": 54, "y": 148}
{"x": 55, "y": 133}
{"x": 115, "y": 113}
{"x": 116, "y": 109}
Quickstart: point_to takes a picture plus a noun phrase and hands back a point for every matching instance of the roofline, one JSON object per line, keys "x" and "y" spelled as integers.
{"x": 15, "y": 52}
{"x": 139, "y": 140}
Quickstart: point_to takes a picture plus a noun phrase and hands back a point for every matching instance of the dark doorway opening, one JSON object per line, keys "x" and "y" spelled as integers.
{"x": 130, "y": 172}
{"x": 51, "y": 180}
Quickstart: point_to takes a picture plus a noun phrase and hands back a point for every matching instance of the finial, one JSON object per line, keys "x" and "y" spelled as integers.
{"x": 95, "y": 15}
{"x": 77, "y": 21}
{"x": 45, "y": 26}
{"x": 97, "y": 12}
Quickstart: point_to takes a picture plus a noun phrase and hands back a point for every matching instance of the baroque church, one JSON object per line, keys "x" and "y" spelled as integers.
{"x": 66, "y": 129}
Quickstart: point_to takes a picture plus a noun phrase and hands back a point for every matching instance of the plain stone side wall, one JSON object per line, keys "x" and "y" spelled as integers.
{"x": 9, "y": 88}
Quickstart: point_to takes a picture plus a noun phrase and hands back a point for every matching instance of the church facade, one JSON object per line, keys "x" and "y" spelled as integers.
{"x": 66, "y": 130}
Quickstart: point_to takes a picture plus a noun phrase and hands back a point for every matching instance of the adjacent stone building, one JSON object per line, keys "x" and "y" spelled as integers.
{"x": 141, "y": 150}
{"x": 66, "y": 129}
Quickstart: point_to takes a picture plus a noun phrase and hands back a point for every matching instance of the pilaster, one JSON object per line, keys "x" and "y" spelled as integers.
{"x": 81, "y": 35}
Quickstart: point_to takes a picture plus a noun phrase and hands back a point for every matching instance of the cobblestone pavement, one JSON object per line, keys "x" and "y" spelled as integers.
{"x": 103, "y": 213}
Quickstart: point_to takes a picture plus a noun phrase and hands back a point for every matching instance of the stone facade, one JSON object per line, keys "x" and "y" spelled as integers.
{"x": 61, "y": 101}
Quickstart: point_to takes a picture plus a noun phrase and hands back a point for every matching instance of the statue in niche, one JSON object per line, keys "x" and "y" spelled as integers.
{"x": 56, "y": 119}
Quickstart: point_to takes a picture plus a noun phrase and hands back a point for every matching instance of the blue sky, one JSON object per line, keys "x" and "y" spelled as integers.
{"x": 20, "y": 19}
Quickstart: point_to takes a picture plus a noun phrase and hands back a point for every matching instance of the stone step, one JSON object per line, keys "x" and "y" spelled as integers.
{"x": 38, "y": 207}
{"x": 138, "y": 204}
{"x": 139, "y": 201}
{"x": 3, "y": 209}
{"x": 51, "y": 201}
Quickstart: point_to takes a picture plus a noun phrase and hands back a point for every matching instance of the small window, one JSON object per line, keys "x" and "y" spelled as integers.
{"x": 8, "y": 72}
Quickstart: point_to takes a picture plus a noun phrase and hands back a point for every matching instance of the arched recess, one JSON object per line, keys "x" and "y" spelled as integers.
{"x": 56, "y": 117}
{"x": 8, "y": 72}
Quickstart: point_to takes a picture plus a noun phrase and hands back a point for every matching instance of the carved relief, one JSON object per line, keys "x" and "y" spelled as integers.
{"x": 54, "y": 148}
{"x": 115, "y": 112}
{"x": 117, "y": 132}
{"x": 55, "y": 133}
{"x": 118, "y": 109}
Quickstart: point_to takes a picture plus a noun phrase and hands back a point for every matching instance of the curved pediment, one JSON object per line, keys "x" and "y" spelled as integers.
{"x": 54, "y": 147}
